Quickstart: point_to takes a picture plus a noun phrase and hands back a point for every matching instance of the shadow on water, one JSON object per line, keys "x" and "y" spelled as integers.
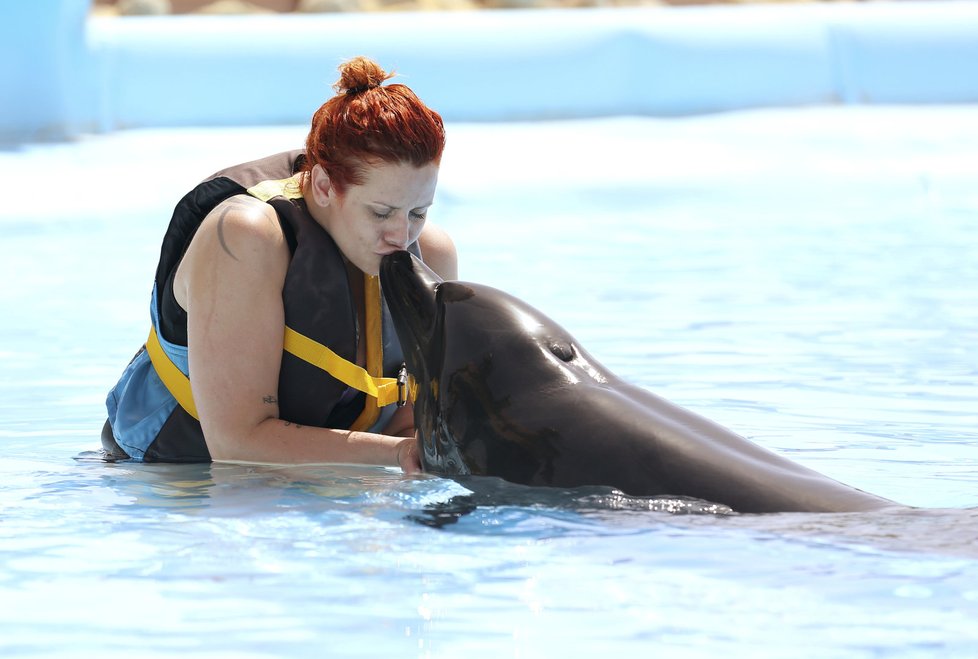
{"x": 488, "y": 492}
{"x": 947, "y": 531}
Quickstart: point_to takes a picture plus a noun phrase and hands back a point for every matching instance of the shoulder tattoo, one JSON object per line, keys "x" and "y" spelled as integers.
{"x": 229, "y": 206}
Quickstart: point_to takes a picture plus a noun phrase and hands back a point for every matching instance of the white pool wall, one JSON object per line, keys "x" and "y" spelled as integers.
{"x": 66, "y": 73}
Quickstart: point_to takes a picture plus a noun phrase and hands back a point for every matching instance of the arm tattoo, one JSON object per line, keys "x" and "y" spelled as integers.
{"x": 269, "y": 400}
{"x": 220, "y": 227}
{"x": 289, "y": 423}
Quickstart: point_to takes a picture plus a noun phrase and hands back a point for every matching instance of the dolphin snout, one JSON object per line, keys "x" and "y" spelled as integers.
{"x": 409, "y": 287}
{"x": 399, "y": 259}
{"x": 402, "y": 271}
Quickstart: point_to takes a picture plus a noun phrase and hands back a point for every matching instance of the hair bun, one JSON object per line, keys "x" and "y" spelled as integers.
{"x": 360, "y": 74}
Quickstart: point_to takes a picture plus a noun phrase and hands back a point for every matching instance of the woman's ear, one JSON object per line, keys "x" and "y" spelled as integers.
{"x": 320, "y": 185}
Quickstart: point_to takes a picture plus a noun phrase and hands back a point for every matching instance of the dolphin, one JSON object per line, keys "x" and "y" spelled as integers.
{"x": 504, "y": 391}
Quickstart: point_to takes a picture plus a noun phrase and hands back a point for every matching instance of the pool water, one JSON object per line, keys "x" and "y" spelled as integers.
{"x": 808, "y": 278}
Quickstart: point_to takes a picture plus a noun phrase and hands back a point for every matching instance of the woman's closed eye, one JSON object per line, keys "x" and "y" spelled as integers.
{"x": 417, "y": 216}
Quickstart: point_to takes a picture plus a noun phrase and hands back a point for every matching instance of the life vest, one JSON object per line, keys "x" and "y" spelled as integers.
{"x": 152, "y": 417}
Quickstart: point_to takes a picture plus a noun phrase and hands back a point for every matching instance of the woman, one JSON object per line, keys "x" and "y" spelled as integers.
{"x": 267, "y": 295}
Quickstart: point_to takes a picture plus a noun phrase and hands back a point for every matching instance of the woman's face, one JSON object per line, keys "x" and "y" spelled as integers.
{"x": 382, "y": 215}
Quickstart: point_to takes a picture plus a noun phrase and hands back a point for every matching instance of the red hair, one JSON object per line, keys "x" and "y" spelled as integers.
{"x": 366, "y": 122}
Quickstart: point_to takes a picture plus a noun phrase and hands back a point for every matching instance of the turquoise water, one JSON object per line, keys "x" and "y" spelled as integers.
{"x": 808, "y": 278}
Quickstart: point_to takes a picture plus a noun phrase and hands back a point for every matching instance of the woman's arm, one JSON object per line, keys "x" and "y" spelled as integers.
{"x": 230, "y": 282}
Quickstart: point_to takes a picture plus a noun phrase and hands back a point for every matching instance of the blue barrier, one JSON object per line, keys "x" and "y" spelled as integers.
{"x": 43, "y": 69}
{"x": 65, "y": 74}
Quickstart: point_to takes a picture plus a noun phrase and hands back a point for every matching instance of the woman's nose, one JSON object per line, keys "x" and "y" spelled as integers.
{"x": 397, "y": 229}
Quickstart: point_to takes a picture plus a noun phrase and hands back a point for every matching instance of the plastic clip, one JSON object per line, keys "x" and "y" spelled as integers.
{"x": 402, "y": 388}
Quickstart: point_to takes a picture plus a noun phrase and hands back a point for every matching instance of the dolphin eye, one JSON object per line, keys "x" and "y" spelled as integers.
{"x": 562, "y": 350}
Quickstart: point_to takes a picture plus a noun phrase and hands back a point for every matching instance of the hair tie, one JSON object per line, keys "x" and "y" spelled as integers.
{"x": 362, "y": 88}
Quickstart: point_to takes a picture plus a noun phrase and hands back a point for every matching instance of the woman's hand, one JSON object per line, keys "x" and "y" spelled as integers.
{"x": 402, "y": 425}
{"x": 408, "y": 457}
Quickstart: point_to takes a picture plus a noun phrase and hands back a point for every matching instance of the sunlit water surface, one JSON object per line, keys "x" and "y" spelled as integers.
{"x": 808, "y": 278}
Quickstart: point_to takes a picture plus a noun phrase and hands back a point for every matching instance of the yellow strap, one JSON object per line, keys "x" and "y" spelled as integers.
{"x": 289, "y": 188}
{"x": 308, "y": 350}
{"x": 173, "y": 378}
{"x": 373, "y": 335}
{"x": 381, "y": 388}
{"x": 381, "y": 391}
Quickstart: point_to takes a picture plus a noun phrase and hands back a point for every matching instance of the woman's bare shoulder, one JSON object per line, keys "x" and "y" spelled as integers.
{"x": 245, "y": 216}
{"x": 239, "y": 244}
{"x": 245, "y": 229}
{"x": 438, "y": 250}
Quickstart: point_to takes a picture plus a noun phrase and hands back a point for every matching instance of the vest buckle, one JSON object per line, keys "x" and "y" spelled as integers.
{"x": 402, "y": 388}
